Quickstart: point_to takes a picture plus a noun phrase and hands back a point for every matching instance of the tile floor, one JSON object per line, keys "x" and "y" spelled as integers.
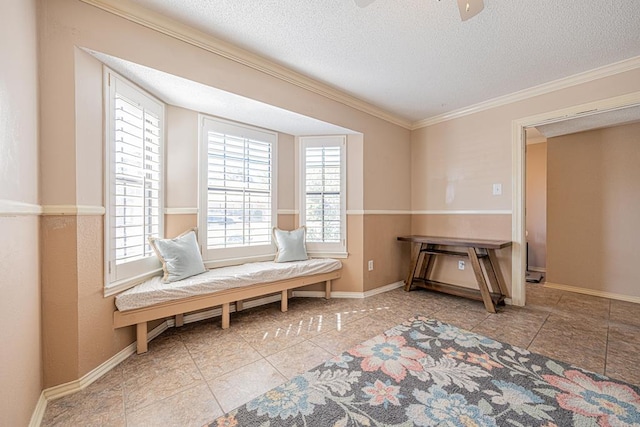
{"x": 195, "y": 373}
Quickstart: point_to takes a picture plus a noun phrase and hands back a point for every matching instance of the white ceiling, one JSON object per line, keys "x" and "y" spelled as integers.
{"x": 415, "y": 58}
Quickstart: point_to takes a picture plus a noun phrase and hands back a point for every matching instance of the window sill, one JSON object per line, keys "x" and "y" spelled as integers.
{"x": 320, "y": 254}
{"x": 215, "y": 263}
{"x": 124, "y": 284}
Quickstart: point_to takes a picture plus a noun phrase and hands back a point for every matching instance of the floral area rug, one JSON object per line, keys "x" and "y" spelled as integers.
{"x": 427, "y": 373}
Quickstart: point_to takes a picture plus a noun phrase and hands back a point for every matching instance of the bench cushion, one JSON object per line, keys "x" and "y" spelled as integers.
{"x": 154, "y": 291}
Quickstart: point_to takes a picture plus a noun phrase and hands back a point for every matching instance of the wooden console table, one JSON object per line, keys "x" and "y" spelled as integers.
{"x": 426, "y": 248}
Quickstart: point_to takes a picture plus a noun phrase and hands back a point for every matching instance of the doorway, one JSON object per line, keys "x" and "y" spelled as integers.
{"x": 518, "y": 220}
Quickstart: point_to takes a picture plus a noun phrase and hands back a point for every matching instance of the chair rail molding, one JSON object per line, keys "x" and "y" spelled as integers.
{"x": 15, "y": 208}
{"x": 78, "y": 210}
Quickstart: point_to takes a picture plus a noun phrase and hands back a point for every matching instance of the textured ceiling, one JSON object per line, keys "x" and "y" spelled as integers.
{"x": 415, "y": 58}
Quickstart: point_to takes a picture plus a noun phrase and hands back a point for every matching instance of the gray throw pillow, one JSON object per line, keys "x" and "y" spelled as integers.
{"x": 180, "y": 256}
{"x": 291, "y": 244}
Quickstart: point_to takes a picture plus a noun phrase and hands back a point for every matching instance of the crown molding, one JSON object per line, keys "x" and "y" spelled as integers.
{"x": 14, "y": 208}
{"x": 182, "y": 32}
{"x": 78, "y": 210}
{"x": 564, "y": 83}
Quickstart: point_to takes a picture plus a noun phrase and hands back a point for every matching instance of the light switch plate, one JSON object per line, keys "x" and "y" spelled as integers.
{"x": 497, "y": 189}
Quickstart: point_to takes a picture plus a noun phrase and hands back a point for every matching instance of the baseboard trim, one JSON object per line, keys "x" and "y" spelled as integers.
{"x": 90, "y": 377}
{"x": 216, "y": 312}
{"x": 385, "y": 288}
{"x": 537, "y": 269}
{"x": 38, "y": 412}
{"x": 309, "y": 294}
{"x": 592, "y": 292}
{"x": 354, "y": 295}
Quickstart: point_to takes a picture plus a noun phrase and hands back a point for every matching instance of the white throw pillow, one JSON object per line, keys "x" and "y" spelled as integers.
{"x": 291, "y": 244}
{"x": 180, "y": 256}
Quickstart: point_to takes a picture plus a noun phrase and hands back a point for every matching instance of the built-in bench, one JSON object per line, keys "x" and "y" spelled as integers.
{"x": 153, "y": 299}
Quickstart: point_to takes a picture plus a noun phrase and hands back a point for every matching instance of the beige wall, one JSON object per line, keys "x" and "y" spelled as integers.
{"x": 21, "y": 357}
{"x": 59, "y": 299}
{"x": 181, "y": 159}
{"x": 72, "y": 246}
{"x": 453, "y": 166}
{"x": 454, "y": 163}
{"x": 286, "y": 172}
{"x": 536, "y": 193}
{"x": 88, "y": 112}
{"x": 390, "y": 257}
{"x": 593, "y": 205}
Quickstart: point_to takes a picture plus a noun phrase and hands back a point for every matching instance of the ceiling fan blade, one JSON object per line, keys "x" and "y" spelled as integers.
{"x": 470, "y": 8}
{"x": 364, "y": 3}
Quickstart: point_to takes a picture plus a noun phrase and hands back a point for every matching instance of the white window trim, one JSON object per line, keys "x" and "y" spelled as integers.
{"x": 240, "y": 255}
{"x": 317, "y": 249}
{"x": 151, "y": 266}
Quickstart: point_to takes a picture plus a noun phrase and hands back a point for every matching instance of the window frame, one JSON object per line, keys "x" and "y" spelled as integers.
{"x": 239, "y": 254}
{"x": 125, "y": 275}
{"x": 325, "y": 249}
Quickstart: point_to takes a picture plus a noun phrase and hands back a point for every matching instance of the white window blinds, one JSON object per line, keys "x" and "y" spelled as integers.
{"x": 137, "y": 179}
{"x": 239, "y": 197}
{"x": 134, "y": 188}
{"x": 323, "y": 209}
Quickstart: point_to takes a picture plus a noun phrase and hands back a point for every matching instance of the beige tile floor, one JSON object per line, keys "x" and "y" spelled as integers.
{"x": 195, "y": 373}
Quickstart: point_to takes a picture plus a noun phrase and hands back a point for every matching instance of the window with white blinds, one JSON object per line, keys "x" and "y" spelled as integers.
{"x": 323, "y": 184}
{"x": 238, "y": 203}
{"x": 134, "y": 188}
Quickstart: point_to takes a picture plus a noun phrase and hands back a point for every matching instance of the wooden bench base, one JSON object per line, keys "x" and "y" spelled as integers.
{"x": 426, "y": 248}
{"x": 177, "y": 308}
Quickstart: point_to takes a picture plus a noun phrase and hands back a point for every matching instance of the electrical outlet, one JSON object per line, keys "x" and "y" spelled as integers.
{"x": 370, "y": 265}
{"x": 460, "y": 265}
